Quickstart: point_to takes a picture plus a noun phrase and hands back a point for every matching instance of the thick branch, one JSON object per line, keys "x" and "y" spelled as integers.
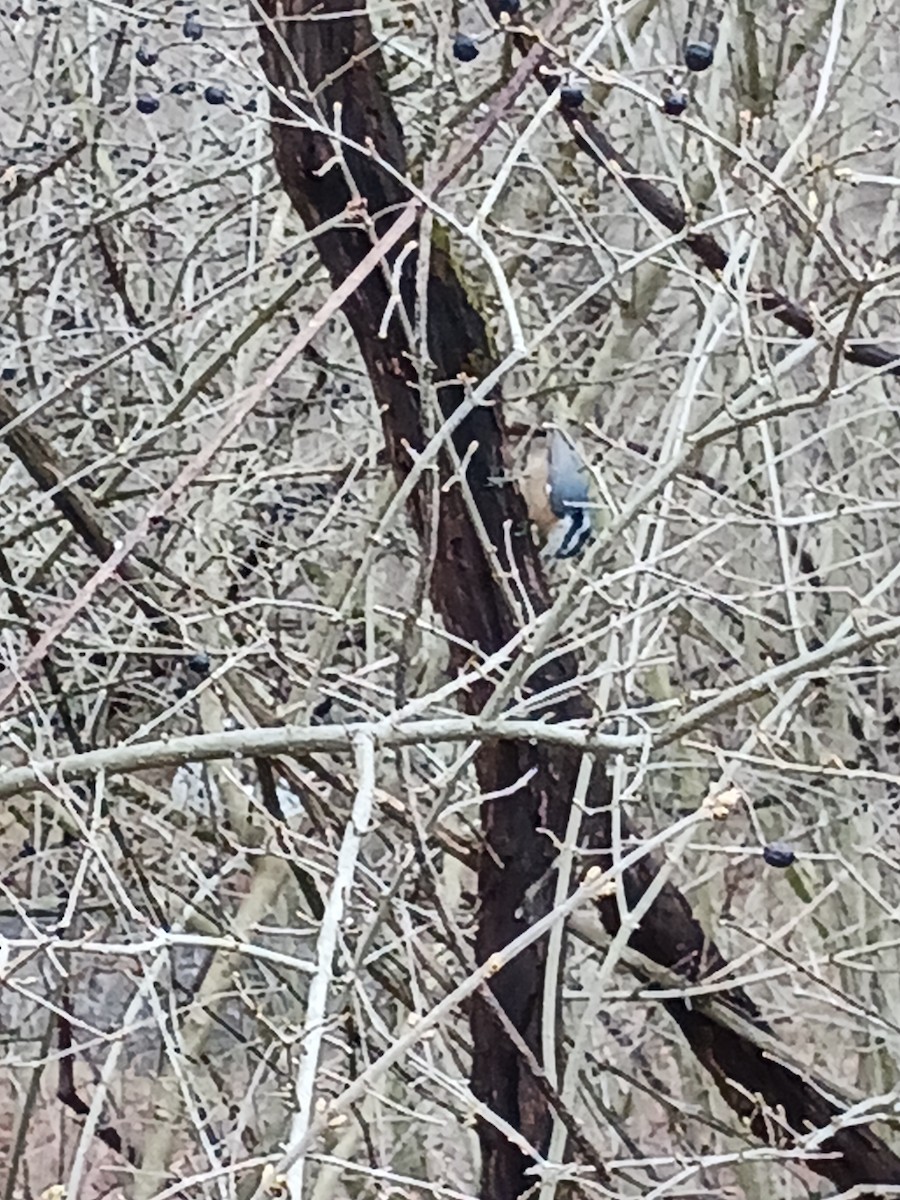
{"x": 290, "y": 739}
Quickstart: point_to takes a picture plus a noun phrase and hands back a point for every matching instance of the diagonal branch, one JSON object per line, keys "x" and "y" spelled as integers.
{"x": 670, "y": 213}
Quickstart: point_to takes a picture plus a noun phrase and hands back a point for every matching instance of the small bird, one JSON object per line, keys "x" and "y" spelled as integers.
{"x": 556, "y": 488}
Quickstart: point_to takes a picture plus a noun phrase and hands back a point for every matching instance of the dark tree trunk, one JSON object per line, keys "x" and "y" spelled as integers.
{"x": 339, "y": 63}
{"x": 464, "y": 588}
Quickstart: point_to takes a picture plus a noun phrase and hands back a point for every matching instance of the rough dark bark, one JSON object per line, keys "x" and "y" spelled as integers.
{"x": 464, "y": 589}
{"x": 338, "y": 62}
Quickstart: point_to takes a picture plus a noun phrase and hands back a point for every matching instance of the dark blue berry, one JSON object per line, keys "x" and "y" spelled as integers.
{"x": 146, "y": 57}
{"x": 778, "y": 854}
{"x": 199, "y": 663}
{"x": 192, "y": 28}
{"x": 464, "y": 48}
{"x": 571, "y": 97}
{"x": 147, "y": 105}
{"x": 215, "y": 95}
{"x": 674, "y": 103}
{"x": 698, "y": 56}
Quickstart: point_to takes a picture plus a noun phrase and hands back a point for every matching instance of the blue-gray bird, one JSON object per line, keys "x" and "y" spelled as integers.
{"x": 556, "y": 487}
